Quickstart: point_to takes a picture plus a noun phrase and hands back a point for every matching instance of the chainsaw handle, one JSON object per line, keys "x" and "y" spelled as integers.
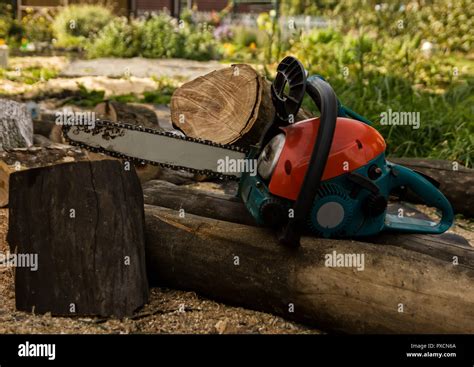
{"x": 325, "y": 98}
{"x": 402, "y": 176}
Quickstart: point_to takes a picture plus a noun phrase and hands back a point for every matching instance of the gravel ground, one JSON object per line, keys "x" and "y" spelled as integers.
{"x": 140, "y": 67}
{"x": 169, "y": 311}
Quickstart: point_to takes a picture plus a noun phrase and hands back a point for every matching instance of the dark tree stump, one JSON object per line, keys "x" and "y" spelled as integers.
{"x": 85, "y": 222}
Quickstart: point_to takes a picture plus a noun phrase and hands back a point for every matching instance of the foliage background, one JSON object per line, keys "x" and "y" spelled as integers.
{"x": 410, "y": 56}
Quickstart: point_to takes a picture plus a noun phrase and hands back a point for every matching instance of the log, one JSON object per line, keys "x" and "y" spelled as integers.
{"x": 223, "y": 204}
{"x": 208, "y": 204}
{"x": 398, "y": 290}
{"x": 21, "y": 159}
{"x": 405, "y": 268}
{"x": 230, "y": 105}
{"x": 135, "y": 114}
{"x": 456, "y": 181}
{"x": 41, "y": 141}
{"x": 16, "y": 126}
{"x": 457, "y": 185}
{"x": 85, "y": 223}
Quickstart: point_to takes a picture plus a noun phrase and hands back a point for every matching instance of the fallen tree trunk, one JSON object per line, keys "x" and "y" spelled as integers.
{"x": 456, "y": 181}
{"x": 457, "y": 185}
{"x": 227, "y": 207}
{"x": 84, "y": 222}
{"x": 398, "y": 291}
{"x": 208, "y": 204}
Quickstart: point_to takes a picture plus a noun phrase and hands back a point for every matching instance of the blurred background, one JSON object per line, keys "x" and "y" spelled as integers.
{"x": 410, "y": 56}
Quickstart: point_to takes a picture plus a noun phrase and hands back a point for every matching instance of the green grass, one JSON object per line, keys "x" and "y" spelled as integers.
{"x": 446, "y": 119}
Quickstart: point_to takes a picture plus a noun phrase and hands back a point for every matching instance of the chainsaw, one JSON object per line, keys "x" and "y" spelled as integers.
{"x": 326, "y": 175}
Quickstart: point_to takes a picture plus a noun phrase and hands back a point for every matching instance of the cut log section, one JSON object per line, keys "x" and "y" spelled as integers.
{"x": 456, "y": 181}
{"x": 231, "y": 105}
{"x": 84, "y": 222}
{"x": 21, "y": 159}
{"x": 338, "y": 286}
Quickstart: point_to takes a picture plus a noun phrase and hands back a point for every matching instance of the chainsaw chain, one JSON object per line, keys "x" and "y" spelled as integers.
{"x": 121, "y": 125}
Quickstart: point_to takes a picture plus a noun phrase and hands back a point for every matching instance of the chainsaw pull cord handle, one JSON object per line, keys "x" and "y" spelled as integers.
{"x": 325, "y": 98}
{"x": 402, "y": 176}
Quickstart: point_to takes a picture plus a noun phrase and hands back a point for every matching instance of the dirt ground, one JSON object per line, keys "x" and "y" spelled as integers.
{"x": 168, "y": 311}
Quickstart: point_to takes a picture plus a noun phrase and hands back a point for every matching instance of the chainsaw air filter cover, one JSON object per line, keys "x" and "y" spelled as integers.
{"x": 332, "y": 210}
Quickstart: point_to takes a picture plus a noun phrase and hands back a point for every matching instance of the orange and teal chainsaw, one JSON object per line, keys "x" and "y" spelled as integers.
{"x": 326, "y": 175}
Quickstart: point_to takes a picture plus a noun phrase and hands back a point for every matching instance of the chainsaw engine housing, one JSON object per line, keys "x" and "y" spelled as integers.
{"x": 353, "y": 195}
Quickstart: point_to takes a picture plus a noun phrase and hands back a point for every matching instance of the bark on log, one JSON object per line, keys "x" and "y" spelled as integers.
{"x": 231, "y": 105}
{"x": 456, "y": 181}
{"x": 22, "y": 159}
{"x": 88, "y": 235}
{"x": 399, "y": 291}
{"x": 202, "y": 202}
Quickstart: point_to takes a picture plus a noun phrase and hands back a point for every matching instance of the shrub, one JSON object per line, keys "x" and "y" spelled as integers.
{"x": 161, "y": 38}
{"x": 199, "y": 42}
{"x": 74, "y": 24}
{"x": 119, "y": 38}
{"x": 244, "y": 37}
{"x": 157, "y": 37}
{"x": 37, "y": 29}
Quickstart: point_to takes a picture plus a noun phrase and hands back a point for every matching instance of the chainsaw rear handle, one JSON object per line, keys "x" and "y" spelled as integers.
{"x": 325, "y": 98}
{"x": 402, "y": 176}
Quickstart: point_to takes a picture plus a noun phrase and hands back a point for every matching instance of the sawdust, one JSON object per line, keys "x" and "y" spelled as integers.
{"x": 168, "y": 311}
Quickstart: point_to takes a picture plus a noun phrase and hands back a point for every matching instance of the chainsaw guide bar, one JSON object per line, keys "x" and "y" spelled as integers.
{"x": 111, "y": 138}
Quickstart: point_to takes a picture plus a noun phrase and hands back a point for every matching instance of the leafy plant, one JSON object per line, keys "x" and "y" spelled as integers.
{"x": 119, "y": 38}
{"x": 161, "y": 38}
{"x": 75, "y": 24}
{"x": 85, "y": 98}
